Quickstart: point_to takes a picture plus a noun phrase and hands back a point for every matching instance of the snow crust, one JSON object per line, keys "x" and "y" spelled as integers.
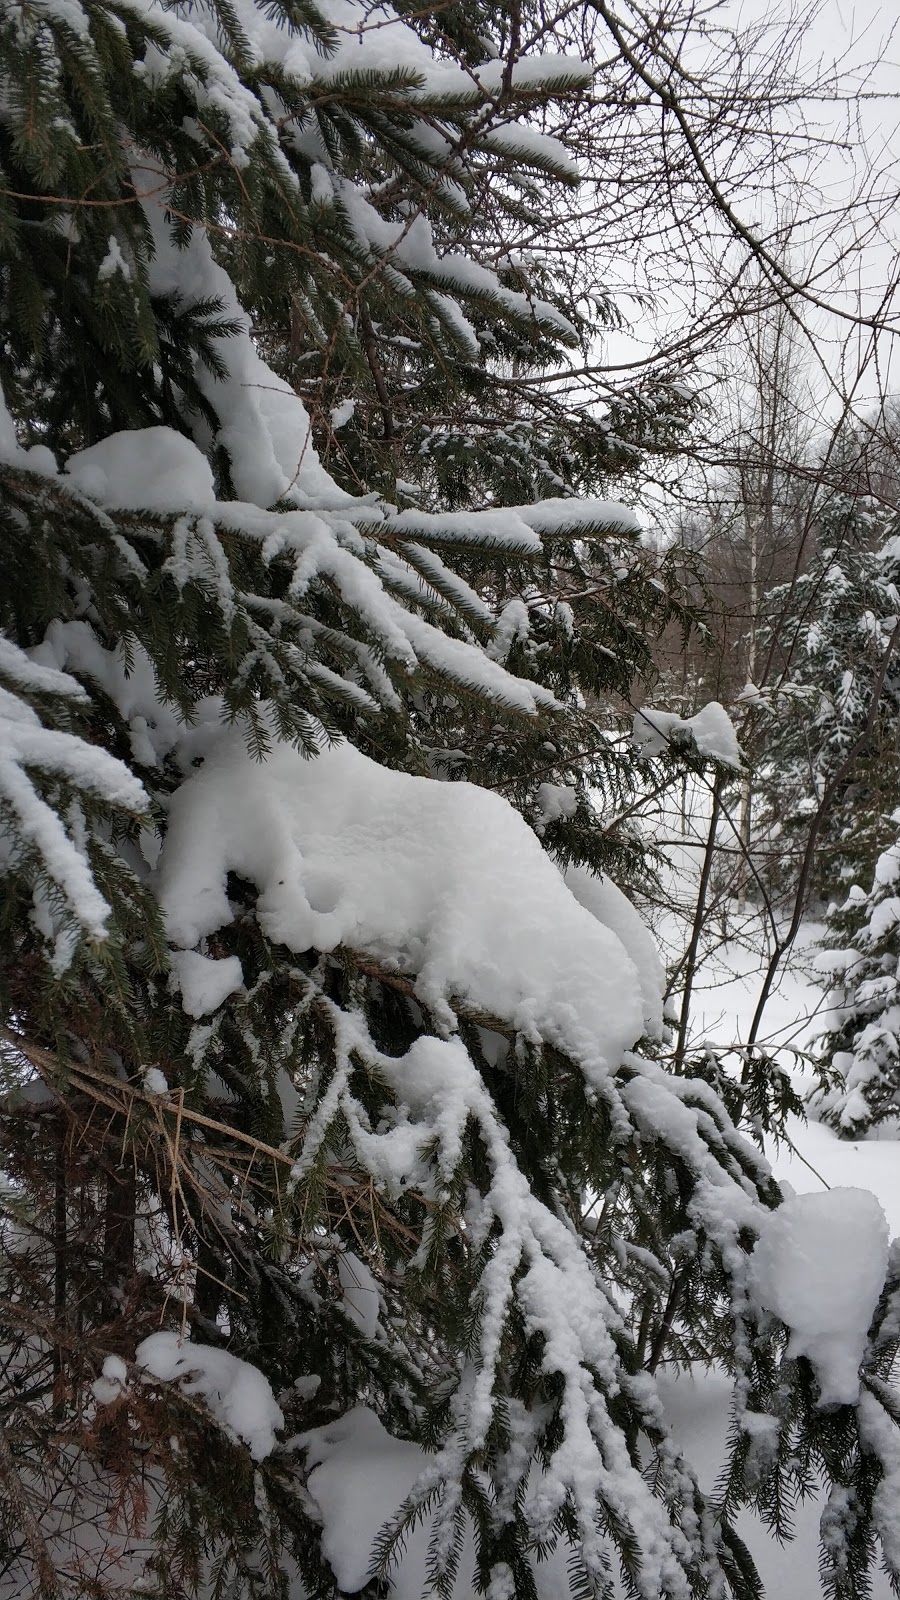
{"x": 238, "y": 1394}
{"x": 820, "y": 1266}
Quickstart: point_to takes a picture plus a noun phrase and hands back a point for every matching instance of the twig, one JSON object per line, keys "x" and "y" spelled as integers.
{"x": 699, "y": 912}
{"x": 20, "y": 1499}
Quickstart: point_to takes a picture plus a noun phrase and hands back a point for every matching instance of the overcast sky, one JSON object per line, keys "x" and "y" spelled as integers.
{"x": 863, "y": 40}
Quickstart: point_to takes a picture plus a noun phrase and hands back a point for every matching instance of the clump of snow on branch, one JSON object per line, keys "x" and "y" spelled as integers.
{"x": 553, "y": 801}
{"x": 146, "y": 469}
{"x": 709, "y": 732}
{"x": 238, "y": 1394}
{"x": 445, "y": 881}
{"x": 820, "y": 1266}
{"x": 205, "y": 984}
{"x": 442, "y": 885}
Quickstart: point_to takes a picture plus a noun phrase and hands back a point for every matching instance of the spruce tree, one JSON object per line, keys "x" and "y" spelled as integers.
{"x": 861, "y": 1043}
{"x": 331, "y": 1112}
{"x": 827, "y": 734}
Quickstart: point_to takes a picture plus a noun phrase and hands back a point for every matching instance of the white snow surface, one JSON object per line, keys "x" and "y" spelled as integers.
{"x": 362, "y": 1302}
{"x": 444, "y": 881}
{"x": 264, "y": 424}
{"x": 360, "y": 1477}
{"x": 144, "y": 469}
{"x": 205, "y": 983}
{"x": 605, "y": 901}
{"x": 26, "y": 747}
{"x": 113, "y": 1377}
{"x": 699, "y": 1405}
{"x": 237, "y": 1394}
{"x": 555, "y": 800}
{"x": 820, "y": 1265}
{"x": 37, "y": 458}
{"x": 9, "y": 444}
{"x": 341, "y": 414}
{"x": 113, "y": 262}
{"x": 27, "y": 673}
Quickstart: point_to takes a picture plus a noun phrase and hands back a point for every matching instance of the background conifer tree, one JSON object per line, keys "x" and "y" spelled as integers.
{"x": 827, "y": 744}
{"x": 860, "y": 1042}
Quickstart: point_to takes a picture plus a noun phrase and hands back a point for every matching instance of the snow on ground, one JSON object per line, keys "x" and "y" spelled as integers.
{"x": 819, "y": 1157}
{"x": 697, "y": 1409}
{"x": 734, "y": 955}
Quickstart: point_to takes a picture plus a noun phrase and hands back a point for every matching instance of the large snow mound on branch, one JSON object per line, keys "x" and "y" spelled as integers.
{"x": 709, "y": 731}
{"x": 820, "y": 1265}
{"x": 145, "y": 469}
{"x": 238, "y": 1395}
{"x": 443, "y": 882}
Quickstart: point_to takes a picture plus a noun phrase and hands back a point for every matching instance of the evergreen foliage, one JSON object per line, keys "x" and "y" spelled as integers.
{"x": 829, "y": 737}
{"x": 308, "y": 1055}
{"x": 861, "y": 1043}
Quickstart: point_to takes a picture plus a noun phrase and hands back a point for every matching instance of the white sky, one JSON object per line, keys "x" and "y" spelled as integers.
{"x": 863, "y": 40}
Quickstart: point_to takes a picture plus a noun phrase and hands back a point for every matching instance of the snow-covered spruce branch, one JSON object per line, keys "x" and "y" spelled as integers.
{"x": 359, "y": 559}
{"x": 50, "y": 778}
{"x": 537, "y": 1271}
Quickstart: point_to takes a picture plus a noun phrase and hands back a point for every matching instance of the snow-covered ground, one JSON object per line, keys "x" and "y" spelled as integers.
{"x": 733, "y": 959}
